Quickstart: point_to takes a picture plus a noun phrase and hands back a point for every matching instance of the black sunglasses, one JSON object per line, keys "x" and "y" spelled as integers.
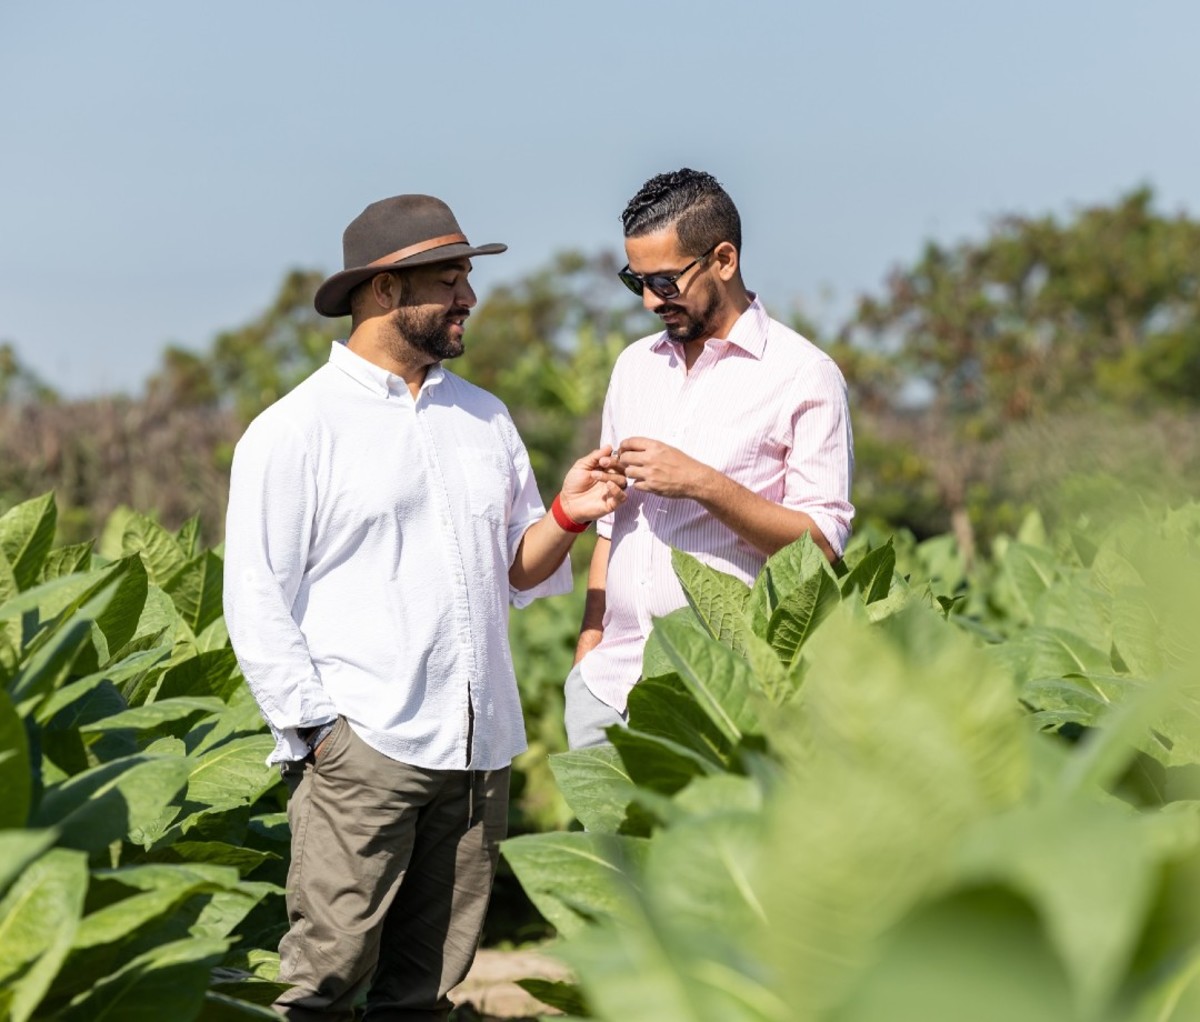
{"x": 661, "y": 284}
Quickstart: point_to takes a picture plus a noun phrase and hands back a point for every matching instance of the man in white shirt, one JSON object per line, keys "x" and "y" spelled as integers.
{"x": 733, "y": 432}
{"x": 381, "y": 518}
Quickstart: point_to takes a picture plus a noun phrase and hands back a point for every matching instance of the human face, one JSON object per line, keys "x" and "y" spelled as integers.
{"x": 437, "y": 301}
{"x": 694, "y": 313}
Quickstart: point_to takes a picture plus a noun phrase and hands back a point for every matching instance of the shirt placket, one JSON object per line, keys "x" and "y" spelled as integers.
{"x": 464, "y": 657}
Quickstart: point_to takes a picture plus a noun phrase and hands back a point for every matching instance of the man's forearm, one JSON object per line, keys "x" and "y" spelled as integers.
{"x": 762, "y": 523}
{"x": 591, "y": 630}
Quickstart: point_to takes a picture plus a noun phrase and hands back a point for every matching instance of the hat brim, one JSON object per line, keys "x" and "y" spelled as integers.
{"x": 333, "y": 296}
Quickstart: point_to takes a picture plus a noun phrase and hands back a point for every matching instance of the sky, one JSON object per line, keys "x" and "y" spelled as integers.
{"x": 163, "y": 165}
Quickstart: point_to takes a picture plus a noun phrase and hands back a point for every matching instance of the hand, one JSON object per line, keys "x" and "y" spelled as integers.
{"x": 594, "y": 486}
{"x": 661, "y": 469}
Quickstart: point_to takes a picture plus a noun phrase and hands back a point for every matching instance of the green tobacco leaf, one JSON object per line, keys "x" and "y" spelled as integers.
{"x": 155, "y": 715}
{"x": 648, "y": 966}
{"x": 65, "y": 560}
{"x": 131, "y": 668}
{"x": 799, "y": 612}
{"x": 721, "y": 681}
{"x": 233, "y": 774}
{"x": 165, "y": 982}
{"x": 573, "y": 877}
{"x": 195, "y": 589}
{"x": 658, "y": 764}
{"x": 784, "y": 571}
{"x": 115, "y": 624}
{"x": 655, "y": 661}
{"x": 213, "y": 673}
{"x": 1031, "y": 572}
{"x": 160, "y": 890}
{"x": 18, "y": 848}
{"x": 219, "y": 853}
{"x": 718, "y": 600}
{"x": 221, "y": 1007}
{"x": 162, "y": 553}
{"x": 10, "y": 628}
{"x": 109, "y": 801}
{"x": 700, "y": 871}
{"x": 1050, "y": 653}
{"x": 596, "y": 786}
{"x": 26, "y": 536}
{"x": 48, "y": 668}
{"x": 188, "y": 537}
{"x": 1090, "y": 869}
{"x": 79, "y": 601}
{"x": 872, "y": 576}
{"x": 664, "y": 707}
{"x": 38, "y": 918}
{"x": 565, "y": 997}
{"x": 15, "y": 776}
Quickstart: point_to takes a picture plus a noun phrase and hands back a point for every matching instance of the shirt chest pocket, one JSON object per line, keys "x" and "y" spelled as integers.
{"x": 486, "y": 483}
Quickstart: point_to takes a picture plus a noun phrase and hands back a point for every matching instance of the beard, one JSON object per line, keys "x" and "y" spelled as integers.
{"x": 693, "y": 326}
{"x": 428, "y": 331}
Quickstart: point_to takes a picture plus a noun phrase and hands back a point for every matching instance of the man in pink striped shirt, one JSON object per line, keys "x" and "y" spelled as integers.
{"x": 733, "y": 432}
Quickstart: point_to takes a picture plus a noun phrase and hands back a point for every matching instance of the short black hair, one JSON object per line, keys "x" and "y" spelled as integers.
{"x": 691, "y": 201}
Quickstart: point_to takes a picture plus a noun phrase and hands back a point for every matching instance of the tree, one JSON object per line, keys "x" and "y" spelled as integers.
{"x": 1042, "y": 317}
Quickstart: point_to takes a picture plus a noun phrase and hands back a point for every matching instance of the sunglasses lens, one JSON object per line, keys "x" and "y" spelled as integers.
{"x": 631, "y": 280}
{"x": 664, "y": 287}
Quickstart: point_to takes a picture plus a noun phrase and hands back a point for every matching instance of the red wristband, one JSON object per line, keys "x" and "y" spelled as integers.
{"x": 565, "y": 521}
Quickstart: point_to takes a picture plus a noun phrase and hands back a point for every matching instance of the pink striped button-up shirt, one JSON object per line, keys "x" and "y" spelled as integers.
{"x": 764, "y": 406}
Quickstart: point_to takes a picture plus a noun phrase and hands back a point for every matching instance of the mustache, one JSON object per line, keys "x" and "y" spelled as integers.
{"x": 459, "y": 313}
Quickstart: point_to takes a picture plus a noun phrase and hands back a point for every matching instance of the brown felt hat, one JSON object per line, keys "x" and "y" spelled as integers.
{"x": 391, "y": 234}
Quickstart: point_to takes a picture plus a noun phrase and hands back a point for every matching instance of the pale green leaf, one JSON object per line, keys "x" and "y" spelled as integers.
{"x": 18, "y": 848}
{"x": 195, "y": 589}
{"x": 872, "y": 576}
{"x": 109, "y": 801}
{"x": 65, "y": 560}
{"x": 26, "y": 536}
{"x": 38, "y": 917}
{"x": 596, "y": 786}
{"x": 721, "y": 681}
{"x": 166, "y": 982}
{"x": 799, "y": 612}
{"x": 573, "y": 877}
{"x": 159, "y": 550}
{"x": 155, "y": 715}
{"x": 719, "y": 600}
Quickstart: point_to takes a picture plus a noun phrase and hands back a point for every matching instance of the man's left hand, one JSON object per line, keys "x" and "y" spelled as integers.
{"x": 658, "y": 468}
{"x": 594, "y": 486}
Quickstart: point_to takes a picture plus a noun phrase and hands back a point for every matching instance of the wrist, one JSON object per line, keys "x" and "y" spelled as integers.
{"x": 564, "y": 520}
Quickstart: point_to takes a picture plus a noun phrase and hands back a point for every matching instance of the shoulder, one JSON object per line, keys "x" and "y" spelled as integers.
{"x": 296, "y": 417}
{"x": 787, "y": 347}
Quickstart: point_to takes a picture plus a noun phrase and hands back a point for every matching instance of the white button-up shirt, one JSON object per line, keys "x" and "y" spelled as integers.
{"x": 368, "y": 542}
{"x": 765, "y": 407}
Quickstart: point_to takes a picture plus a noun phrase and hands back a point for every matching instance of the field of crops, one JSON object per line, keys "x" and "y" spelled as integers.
{"x": 903, "y": 790}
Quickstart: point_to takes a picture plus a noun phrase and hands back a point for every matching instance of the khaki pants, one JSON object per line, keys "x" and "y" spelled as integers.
{"x": 389, "y": 881}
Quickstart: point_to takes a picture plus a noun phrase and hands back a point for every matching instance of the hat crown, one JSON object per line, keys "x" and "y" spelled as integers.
{"x": 392, "y": 224}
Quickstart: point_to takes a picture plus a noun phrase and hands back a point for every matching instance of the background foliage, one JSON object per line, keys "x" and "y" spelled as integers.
{"x": 973, "y": 756}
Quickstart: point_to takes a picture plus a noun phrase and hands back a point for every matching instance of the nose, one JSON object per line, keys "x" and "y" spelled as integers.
{"x": 465, "y": 294}
{"x": 650, "y": 301}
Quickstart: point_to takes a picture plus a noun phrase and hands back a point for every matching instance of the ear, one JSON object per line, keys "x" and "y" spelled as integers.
{"x": 386, "y": 290}
{"x": 725, "y": 259}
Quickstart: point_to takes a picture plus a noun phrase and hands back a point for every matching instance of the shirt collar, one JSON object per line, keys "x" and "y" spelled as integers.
{"x": 376, "y": 378}
{"x": 749, "y": 331}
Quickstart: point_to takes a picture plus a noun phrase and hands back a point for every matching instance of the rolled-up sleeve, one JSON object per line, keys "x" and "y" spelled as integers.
{"x": 820, "y": 465}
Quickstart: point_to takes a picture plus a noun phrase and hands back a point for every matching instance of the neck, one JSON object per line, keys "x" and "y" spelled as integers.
{"x": 387, "y": 349}
{"x": 737, "y": 301}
